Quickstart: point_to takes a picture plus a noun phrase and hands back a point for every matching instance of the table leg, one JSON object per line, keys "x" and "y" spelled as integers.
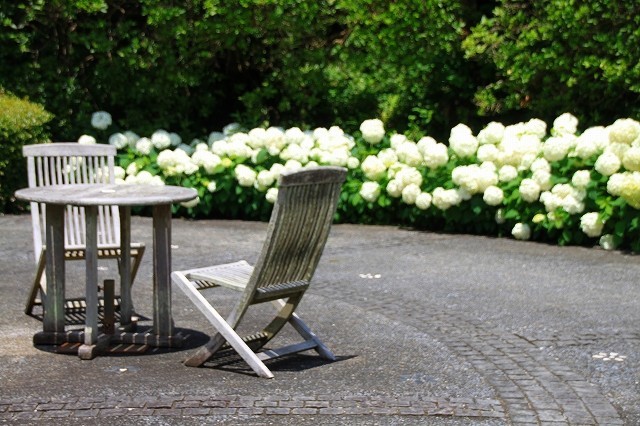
{"x": 53, "y": 321}
{"x": 162, "y": 320}
{"x": 87, "y": 351}
{"x": 126, "y": 304}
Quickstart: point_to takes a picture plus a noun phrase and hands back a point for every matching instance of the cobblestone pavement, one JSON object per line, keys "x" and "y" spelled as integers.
{"x": 428, "y": 329}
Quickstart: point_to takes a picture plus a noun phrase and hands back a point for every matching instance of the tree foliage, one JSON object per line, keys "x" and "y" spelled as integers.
{"x": 546, "y": 57}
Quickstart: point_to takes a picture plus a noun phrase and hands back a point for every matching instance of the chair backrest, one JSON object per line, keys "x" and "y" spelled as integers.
{"x": 299, "y": 227}
{"x": 72, "y": 163}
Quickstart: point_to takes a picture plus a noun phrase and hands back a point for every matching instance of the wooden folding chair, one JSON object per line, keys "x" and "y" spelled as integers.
{"x": 299, "y": 227}
{"x": 73, "y": 163}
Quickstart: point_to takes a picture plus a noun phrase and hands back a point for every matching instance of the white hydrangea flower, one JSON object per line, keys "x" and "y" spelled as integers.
{"x": 556, "y": 148}
{"x": 370, "y": 191}
{"x": 119, "y": 172}
{"x": 493, "y": 196}
{"x": 206, "y": 159}
{"x": 373, "y": 168}
{"x": 572, "y": 205}
{"x": 410, "y": 193}
{"x": 352, "y": 163}
{"x": 624, "y": 131}
{"x": 132, "y": 169}
{"x": 191, "y": 203}
{"x": 214, "y": 137}
{"x": 540, "y": 164}
{"x": 607, "y": 163}
{"x": 423, "y": 201}
{"x": 529, "y": 190}
{"x": 631, "y": 159}
{"x": 144, "y": 146}
{"x": 388, "y": 157}
{"x": 292, "y": 165}
{"x": 550, "y": 200}
{"x": 276, "y": 169}
{"x": 272, "y": 195}
{"x": 119, "y": 140}
{"x": 201, "y": 146}
{"x": 409, "y": 154}
{"x": 436, "y": 155}
{"x": 492, "y": 134}
{"x": 591, "y": 142}
{"x": 581, "y": 178}
{"x": 488, "y": 152}
{"x": 175, "y": 139}
{"x": 462, "y": 141}
{"x": 394, "y": 188}
{"x": 314, "y": 164}
{"x": 631, "y": 189}
{"x": 591, "y": 224}
{"x": 132, "y": 138}
{"x": 245, "y": 175}
{"x": 257, "y": 138}
{"x": 409, "y": 175}
{"x": 521, "y": 231}
{"x": 565, "y": 124}
{"x": 615, "y": 184}
{"x": 507, "y": 173}
{"x": 101, "y": 120}
{"x": 212, "y": 186}
{"x": 542, "y": 178}
{"x": 231, "y": 128}
{"x": 607, "y": 242}
{"x": 295, "y": 152}
{"x": 372, "y": 131}
{"x": 87, "y": 140}
{"x": 264, "y": 180}
{"x": 219, "y": 147}
{"x": 444, "y": 199}
{"x": 397, "y": 139}
{"x": 161, "y": 139}
{"x": 293, "y": 135}
{"x": 536, "y": 127}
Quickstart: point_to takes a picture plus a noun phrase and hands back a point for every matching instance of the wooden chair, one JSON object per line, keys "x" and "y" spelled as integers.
{"x": 69, "y": 163}
{"x": 296, "y": 236}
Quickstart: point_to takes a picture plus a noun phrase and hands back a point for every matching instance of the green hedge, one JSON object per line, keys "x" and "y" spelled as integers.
{"x": 21, "y": 123}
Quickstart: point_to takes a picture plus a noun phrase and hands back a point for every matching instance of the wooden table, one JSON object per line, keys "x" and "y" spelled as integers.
{"x": 90, "y": 196}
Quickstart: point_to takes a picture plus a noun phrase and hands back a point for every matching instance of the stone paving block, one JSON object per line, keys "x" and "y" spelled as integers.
{"x": 551, "y": 416}
{"x": 306, "y": 411}
{"x": 170, "y": 412}
{"x": 196, "y": 411}
{"x": 250, "y": 411}
{"x": 78, "y": 406}
{"x": 214, "y": 403}
{"x": 113, "y": 412}
{"x": 277, "y": 411}
{"x": 49, "y": 406}
{"x": 94, "y": 412}
{"x": 332, "y": 411}
{"x": 56, "y": 414}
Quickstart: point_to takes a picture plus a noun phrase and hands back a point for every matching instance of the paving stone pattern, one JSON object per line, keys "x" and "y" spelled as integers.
{"x": 236, "y": 405}
{"x": 534, "y": 389}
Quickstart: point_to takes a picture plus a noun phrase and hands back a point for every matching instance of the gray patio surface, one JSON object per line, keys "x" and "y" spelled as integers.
{"x": 428, "y": 329}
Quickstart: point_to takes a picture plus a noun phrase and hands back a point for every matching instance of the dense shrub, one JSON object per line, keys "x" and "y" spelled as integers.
{"x": 526, "y": 180}
{"x": 543, "y": 57}
{"x": 21, "y": 123}
{"x": 196, "y": 65}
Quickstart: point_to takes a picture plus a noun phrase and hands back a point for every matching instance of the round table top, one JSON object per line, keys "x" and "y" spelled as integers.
{"x": 107, "y": 194}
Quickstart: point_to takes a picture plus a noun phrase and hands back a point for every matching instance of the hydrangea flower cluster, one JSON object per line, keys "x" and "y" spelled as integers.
{"x": 529, "y": 177}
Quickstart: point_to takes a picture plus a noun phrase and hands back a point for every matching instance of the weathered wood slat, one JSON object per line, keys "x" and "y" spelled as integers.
{"x": 296, "y": 237}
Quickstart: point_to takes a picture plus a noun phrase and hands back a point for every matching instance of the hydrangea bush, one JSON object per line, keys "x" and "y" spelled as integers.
{"x": 523, "y": 180}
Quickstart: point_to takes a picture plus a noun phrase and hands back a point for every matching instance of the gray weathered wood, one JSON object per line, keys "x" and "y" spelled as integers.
{"x": 297, "y": 233}
{"x": 162, "y": 321}
{"x": 70, "y": 164}
{"x": 53, "y": 318}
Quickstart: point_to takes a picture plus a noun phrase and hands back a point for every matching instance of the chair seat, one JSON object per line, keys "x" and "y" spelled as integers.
{"x": 231, "y": 275}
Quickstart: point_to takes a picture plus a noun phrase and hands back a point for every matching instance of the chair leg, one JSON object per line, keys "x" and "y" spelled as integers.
{"x": 223, "y": 328}
{"x": 306, "y": 333}
{"x": 37, "y": 287}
